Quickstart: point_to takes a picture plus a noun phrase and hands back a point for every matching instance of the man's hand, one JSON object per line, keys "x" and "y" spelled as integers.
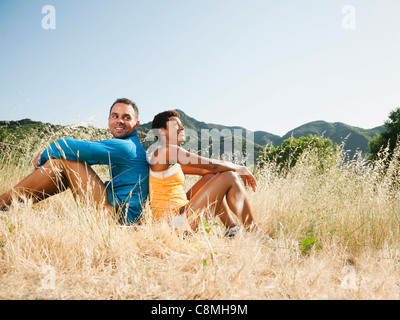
{"x": 36, "y": 160}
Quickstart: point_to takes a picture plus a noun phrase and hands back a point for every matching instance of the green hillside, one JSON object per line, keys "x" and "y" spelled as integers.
{"x": 192, "y": 123}
{"x": 355, "y": 138}
{"x": 264, "y": 138}
{"x": 27, "y": 137}
{"x": 37, "y": 134}
{"x": 211, "y": 132}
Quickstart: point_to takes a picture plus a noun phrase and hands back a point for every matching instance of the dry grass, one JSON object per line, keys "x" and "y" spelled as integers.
{"x": 336, "y": 236}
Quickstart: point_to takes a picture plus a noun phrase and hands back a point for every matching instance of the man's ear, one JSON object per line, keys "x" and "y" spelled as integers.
{"x": 136, "y": 125}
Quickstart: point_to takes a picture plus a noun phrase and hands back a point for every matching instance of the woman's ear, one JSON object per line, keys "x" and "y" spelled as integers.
{"x": 161, "y": 132}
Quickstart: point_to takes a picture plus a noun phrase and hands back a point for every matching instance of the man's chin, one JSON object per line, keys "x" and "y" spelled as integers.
{"x": 120, "y": 135}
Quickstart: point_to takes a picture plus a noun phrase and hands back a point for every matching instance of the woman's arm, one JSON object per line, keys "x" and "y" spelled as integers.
{"x": 194, "y": 171}
{"x": 201, "y": 165}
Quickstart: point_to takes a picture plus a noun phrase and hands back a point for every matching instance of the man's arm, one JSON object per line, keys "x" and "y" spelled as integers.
{"x": 95, "y": 152}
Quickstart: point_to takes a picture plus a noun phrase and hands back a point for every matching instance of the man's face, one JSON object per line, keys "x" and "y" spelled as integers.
{"x": 122, "y": 120}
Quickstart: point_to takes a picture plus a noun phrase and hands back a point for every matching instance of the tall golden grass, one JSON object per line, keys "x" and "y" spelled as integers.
{"x": 335, "y": 236}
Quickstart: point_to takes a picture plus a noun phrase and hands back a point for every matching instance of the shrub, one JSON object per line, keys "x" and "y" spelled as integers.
{"x": 286, "y": 156}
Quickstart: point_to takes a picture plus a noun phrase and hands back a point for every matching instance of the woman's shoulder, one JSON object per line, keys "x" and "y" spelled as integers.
{"x": 158, "y": 155}
{"x": 166, "y": 150}
{"x": 170, "y": 154}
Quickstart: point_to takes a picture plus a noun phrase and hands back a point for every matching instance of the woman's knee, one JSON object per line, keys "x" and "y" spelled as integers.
{"x": 229, "y": 176}
{"x": 209, "y": 176}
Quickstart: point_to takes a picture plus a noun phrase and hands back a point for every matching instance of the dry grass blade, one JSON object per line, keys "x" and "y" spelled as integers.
{"x": 336, "y": 236}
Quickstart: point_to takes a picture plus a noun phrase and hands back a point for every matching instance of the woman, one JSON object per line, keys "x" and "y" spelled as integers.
{"x": 218, "y": 189}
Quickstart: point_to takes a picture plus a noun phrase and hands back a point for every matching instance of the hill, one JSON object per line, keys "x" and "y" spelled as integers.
{"x": 356, "y": 138}
{"x": 198, "y": 130}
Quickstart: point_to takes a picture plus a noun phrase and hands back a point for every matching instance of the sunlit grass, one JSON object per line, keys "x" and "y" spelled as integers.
{"x": 336, "y": 236}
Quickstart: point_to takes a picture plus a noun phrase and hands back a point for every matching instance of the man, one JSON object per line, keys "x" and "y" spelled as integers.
{"x": 66, "y": 164}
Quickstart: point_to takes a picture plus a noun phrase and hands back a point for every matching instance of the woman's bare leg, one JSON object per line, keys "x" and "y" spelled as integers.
{"x": 56, "y": 176}
{"x": 225, "y": 184}
{"x": 222, "y": 211}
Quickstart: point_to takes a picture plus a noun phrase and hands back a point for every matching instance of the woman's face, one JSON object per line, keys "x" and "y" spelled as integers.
{"x": 175, "y": 132}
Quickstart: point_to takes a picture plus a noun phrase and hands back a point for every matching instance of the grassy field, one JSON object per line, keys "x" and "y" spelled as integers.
{"x": 335, "y": 235}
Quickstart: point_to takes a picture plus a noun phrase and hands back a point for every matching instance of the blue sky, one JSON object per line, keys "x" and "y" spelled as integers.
{"x": 264, "y": 65}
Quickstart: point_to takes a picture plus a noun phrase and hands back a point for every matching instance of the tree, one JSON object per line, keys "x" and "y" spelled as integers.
{"x": 388, "y": 138}
{"x": 291, "y": 150}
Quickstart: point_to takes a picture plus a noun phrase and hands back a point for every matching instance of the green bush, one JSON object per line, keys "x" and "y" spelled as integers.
{"x": 387, "y": 139}
{"x": 288, "y": 154}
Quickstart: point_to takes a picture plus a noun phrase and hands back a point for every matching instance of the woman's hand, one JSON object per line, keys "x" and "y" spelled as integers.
{"x": 247, "y": 177}
{"x": 176, "y": 154}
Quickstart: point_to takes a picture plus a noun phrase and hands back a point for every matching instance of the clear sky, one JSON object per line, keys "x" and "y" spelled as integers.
{"x": 264, "y": 65}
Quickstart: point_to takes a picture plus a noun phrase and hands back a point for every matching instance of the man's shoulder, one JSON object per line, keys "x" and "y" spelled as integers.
{"x": 131, "y": 144}
{"x": 121, "y": 144}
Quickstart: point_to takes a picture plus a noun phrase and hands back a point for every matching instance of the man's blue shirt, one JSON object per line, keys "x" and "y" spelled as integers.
{"x": 129, "y": 168}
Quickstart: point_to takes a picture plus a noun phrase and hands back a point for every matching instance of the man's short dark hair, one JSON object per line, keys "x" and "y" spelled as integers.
{"x": 161, "y": 119}
{"x": 128, "y": 102}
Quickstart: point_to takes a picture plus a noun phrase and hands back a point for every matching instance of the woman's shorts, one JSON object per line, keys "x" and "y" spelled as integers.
{"x": 180, "y": 220}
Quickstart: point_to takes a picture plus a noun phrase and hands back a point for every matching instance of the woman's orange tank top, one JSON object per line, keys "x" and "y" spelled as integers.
{"x": 166, "y": 191}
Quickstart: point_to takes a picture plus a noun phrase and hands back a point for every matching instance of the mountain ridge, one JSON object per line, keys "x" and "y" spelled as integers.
{"x": 355, "y": 138}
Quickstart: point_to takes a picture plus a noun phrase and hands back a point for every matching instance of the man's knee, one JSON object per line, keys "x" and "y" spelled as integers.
{"x": 63, "y": 164}
{"x": 54, "y": 163}
{"x": 66, "y": 170}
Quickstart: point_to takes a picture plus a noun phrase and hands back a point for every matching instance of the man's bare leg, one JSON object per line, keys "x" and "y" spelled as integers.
{"x": 56, "y": 176}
